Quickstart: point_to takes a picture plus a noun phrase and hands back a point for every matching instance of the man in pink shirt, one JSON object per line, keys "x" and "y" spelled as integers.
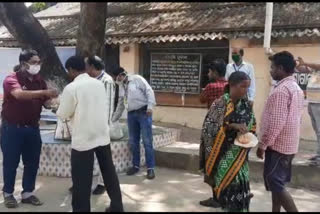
{"x": 280, "y": 130}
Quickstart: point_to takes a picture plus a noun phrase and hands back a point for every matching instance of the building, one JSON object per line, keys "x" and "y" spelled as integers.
{"x": 170, "y": 43}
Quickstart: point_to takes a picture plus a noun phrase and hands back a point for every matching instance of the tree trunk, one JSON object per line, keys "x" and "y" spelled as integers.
{"x": 27, "y": 30}
{"x": 91, "y": 31}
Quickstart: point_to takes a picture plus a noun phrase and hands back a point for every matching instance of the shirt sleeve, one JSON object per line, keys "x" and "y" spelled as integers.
{"x": 149, "y": 92}
{"x": 204, "y": 95}
{"x": 67, "y": 105}
{"x": 229, "y": 70}
{"x": 275, "y": 119}
{"x": 11, "y": 83}
{"x": 252, "y": 88}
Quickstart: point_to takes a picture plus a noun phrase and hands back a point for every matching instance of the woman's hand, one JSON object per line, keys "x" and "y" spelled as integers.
{"x": 242, "y": 128}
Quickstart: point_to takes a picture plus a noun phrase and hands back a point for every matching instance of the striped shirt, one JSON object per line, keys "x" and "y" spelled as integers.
{"x": 281, "y": 118}
{"x": 133, "y": 95}
{"x": 109, "y": 85}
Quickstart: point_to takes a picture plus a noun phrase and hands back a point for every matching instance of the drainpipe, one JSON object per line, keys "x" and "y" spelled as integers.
{"x": 268, "y": 28}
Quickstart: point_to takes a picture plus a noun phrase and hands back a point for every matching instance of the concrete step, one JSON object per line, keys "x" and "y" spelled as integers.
{"x": 182, "y": 155}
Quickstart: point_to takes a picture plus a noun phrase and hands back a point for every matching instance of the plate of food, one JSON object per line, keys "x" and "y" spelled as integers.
{"x": 247, "y": 140}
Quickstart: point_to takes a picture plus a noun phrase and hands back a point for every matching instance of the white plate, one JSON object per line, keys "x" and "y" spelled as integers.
{"x": 253, "y": 141}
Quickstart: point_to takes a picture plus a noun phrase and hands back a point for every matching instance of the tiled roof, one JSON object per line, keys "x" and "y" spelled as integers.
{"x": 156, "y": 22}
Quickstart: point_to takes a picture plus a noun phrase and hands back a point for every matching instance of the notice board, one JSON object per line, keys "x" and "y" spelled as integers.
{"x": 175, "y": 72}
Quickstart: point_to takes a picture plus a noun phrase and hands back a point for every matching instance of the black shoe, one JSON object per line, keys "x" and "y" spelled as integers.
{"x": 32, "y": 200}
{"x": 315, "y": 158}
{"x": 108, "y": 210}
{"x": 71, "y": 189}
{"x": 210, "y": 202}
{"x": 150, "y": 174}
{"x": 99, "y": 190}
{"x": 132, "y": 171}
{"x": 251, "y": 195}
{"x": 10, "y": 202}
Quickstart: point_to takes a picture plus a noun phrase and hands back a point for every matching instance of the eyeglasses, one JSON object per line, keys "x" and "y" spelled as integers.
{"x": 35, "y": 62}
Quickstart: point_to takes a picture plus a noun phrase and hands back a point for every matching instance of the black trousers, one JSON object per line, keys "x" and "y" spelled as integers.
{"x": 82, "y": 171}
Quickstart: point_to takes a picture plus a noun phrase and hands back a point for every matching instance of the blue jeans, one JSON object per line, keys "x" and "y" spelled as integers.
{"x": 16, "y": 142}
{"x": 139, "y": 123}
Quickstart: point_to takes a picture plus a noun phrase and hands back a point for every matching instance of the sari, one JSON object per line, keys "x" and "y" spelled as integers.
{"x": 225, "y": 165}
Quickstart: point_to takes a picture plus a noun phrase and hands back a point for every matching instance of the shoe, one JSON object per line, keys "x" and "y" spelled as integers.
{"x": 10, "y": 202}
{"x": 71, "y": 189}
{"x": 315, "y": 163}
{"x": 150, "y": 174}
{"x": 132, "y": 171}
{"x": 108, "y": 210}
{"x": 210, "y": 202}
{"x": 315, "y": 158}
{"x": 251, "y": 195}
{"x": 99, "y": 190}
{"x": 32, "y": 200}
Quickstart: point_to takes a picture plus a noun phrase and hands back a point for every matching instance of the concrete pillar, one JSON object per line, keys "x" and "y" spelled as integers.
{"x": 129, "y": 57}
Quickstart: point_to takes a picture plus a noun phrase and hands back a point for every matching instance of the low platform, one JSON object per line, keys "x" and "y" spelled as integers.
{"x": 56, "y": 154}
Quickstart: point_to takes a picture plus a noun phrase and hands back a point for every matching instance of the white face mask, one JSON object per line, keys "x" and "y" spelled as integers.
{"x": 34, "y": 69}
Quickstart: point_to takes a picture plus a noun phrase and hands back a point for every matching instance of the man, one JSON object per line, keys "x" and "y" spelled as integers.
{"x": 240, "y": 65}
{"x": 137, "y": 96}
{"x": 313, "y": 96}
{"x": 95, "y": 68}
{"x": 214, "y": 90}
{"x": 280, "y": 130}
{"x": 25, "y": 93}
{"x": 84, "y": 102}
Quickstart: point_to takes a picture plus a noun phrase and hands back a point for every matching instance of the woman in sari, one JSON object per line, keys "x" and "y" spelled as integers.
{"x": 225, "y": 165}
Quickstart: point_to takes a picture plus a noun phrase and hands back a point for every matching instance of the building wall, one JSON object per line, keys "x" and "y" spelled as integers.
{"x": 129, "y": 57}
{"x": 253, "y": 53}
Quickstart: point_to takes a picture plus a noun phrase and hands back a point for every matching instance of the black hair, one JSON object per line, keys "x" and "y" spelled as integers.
{"x": 220, "y": 66}
{"x": 26, "y": 55}
{"x": 76, "y": 63}
{"x": 236, "y": 78}
{"x": 96, "y": 62}
{"x": 284, "y": 59}
{"x": 118, "y": 71}
{"x": 241, "y": 51}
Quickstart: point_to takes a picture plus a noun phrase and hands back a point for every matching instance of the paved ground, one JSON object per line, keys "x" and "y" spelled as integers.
{"x": 172, "y": 190}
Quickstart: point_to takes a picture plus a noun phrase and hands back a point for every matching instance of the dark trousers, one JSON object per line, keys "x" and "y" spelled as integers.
{"x": 82, "y": 171}
{"x": 15, "y": 142}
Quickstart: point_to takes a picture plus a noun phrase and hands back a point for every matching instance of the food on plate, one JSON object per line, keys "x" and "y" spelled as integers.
{"x": 244, "y": 139}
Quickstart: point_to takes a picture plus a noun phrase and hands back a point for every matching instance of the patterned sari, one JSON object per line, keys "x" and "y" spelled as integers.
{"x": 225, "y": 164}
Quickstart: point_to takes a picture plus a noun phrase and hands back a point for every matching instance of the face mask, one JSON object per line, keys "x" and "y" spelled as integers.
{"x": 236, "y": 58}
{"x": 33, "y": 69}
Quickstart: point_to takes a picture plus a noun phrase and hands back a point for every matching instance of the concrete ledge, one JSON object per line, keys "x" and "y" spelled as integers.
{"x": 174, "y": 157}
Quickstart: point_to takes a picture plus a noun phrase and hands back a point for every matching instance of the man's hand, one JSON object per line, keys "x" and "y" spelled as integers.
{"x": 242, "y": 128}
{"x": 260, "y": 153}
{"x": 149, "y": 112}
{"x": 51, "y": 93}
{"x": 300, "y": 61}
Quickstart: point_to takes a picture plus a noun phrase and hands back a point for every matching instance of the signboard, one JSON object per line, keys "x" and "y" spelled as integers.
{"x": 175, "y": 72}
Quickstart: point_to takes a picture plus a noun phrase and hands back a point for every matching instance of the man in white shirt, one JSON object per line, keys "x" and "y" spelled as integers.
{"x": 95, "y": 68}
{"x": 83, "y": 101}
{"x": 137, "y": 96}
{"x": 240, "y": 65}
{"x": 313, "y": 97}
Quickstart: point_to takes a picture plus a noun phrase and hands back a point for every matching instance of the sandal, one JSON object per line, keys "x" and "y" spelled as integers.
{"x": 10, "y": 202}
{"x": 32, "y": 200}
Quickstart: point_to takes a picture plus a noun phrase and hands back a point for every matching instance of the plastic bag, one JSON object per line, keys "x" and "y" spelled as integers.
{"x": 116, "y": 132}
{"x": 63, "y": 130}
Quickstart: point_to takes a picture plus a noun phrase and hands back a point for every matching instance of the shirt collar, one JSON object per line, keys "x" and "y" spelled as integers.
{"x": 243, "y": 63}
{"x": 100, "y": 75}
{"x": 26, "y": 76}
{"x": 81, "y": 76}
{"x": 289, "y": 78}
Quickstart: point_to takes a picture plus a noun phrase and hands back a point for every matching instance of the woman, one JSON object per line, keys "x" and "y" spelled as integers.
{"x": 225, "y": 164}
